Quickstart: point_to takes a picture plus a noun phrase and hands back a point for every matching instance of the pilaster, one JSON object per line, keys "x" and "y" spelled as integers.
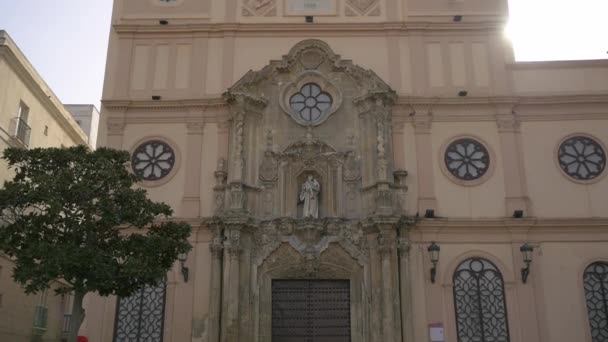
{"x": 424, "y": 155}
{"x": 510, "y": 144}
{"x": 115, "y": 133}
{"x": 191, "y": 203}
{"x": 231, "y": 284}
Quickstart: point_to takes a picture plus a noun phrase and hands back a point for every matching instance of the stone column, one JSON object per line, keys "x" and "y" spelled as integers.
{"x": 191, "y": 203}
{"x": 407, "y": 316}
{"x": 230, "y": 298}
{"x": 215, "y": 293}
{"x": 386, "y": 247}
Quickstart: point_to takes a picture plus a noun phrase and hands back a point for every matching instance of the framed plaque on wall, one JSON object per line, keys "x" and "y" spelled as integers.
{"x": 311, "y": 7}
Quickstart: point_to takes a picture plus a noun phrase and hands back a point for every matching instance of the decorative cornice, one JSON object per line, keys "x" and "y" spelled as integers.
{"x": 448, "y": 110}
{"x": 204, "y": 103}
{"x": 598, "y": 63}
{"x": 600, "y": 98}
{"x": 297, "y": 29}
{"x": 503, "y": 229}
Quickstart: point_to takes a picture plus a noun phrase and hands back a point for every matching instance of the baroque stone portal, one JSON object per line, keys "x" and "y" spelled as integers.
{"x": 274, "y": 226}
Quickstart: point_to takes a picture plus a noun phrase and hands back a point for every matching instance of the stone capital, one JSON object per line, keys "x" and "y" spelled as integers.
{"x": 195, "y": 127}
{"x": 422, "y": 125}
{"x": 507, "y": 123}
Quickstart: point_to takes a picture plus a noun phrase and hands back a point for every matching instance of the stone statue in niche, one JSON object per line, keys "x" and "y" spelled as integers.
{"x": 310, "y": 196}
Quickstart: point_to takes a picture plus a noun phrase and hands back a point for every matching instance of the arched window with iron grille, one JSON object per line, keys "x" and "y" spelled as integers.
{"x": 595, "y": 281}
{"x": 479, "y": 300}
{"x": 140, "y": 317}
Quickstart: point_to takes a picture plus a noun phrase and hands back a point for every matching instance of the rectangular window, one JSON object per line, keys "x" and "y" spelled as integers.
{"x": 19, "y": 127}
{"x": 310, "y": 310}
{"x": 41, "y": 313}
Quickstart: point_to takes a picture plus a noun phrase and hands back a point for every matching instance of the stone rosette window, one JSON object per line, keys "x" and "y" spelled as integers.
{"x": 310, "y": 102}
{"x": 467, "y": 160}
{"x": 154, "y": 160}
{"x": 581, "y": 158}
{"x": 311, "y": 99}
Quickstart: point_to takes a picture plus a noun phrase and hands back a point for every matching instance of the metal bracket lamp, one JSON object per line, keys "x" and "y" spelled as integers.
{"x": 526, "y": 250}
{"x": 433, "y": 250}
{"x": 182, "y": 257}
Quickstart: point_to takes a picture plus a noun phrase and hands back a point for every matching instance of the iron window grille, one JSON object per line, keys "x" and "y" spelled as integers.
{"x": 581, "y": 158}
{"x": 479, "y": 301}
{"x": 140, "y": 317}
{"x": 311, "y": 310}
{"x": 595, "y": 282}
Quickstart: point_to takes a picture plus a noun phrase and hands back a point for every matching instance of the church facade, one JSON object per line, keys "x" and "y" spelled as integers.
{"x": 359, "y": 170}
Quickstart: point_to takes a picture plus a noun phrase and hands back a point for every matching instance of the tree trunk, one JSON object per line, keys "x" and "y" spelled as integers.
{"x": 77, "y": 316}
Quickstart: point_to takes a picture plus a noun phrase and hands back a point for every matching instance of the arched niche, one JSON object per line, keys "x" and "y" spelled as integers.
{"x": 311, "y": 157}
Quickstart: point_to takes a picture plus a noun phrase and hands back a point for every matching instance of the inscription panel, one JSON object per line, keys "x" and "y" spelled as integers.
{"x": 311, "y": 311}
{"x": 311, "y": 7}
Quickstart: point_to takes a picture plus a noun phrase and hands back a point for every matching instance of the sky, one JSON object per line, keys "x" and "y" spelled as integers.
{"x": 66, "y": 40}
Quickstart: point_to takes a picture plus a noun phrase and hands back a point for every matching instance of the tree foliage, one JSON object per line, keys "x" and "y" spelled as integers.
{"x": 74, "y": 215}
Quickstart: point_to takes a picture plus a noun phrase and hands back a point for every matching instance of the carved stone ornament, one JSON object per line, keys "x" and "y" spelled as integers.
{"x": 269, "y": 170}
{"x": 352, "y": 168}
{"x": 362, "y": 5}
{"x": 301, "y": 61}
{"x": 311, "y": 152}
{"x": 310, "y": 237}
{"x": 265, "y": 8}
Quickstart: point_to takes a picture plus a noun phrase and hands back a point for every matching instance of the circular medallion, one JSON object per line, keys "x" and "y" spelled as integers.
{"x": 153, "y": 160}
{"x": 581, "y": 158}
{"x": 467, "y": 159}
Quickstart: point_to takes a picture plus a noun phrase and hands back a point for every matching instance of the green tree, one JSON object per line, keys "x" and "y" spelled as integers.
{"x": 73, "y": 215}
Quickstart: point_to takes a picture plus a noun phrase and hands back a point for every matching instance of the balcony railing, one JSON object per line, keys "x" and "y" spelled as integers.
{"x": 20, "y": 131}
{"x": 41, "y": 317}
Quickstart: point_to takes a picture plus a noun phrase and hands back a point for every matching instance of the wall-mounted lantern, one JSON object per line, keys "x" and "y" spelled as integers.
{"x": 182, "y": 257}
{"x": 526, "y": 250}
{"x": 434, "y": 255}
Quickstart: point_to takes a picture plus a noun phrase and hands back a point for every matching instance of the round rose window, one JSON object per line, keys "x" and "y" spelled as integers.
{"x": 467, "y": 159}
{"x": 581, "y": 158}
{"x": 153, "y": 160}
